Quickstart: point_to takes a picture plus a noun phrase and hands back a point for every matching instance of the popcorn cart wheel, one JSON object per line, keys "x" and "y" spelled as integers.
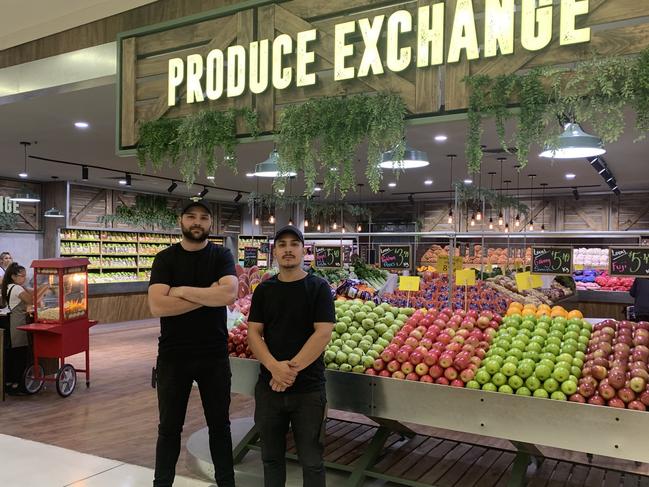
{"x": 61, "y": 325}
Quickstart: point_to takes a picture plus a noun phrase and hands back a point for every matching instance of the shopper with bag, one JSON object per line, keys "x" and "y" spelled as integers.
{"x": 291, "y": 319}
{"x": 17, "y": 298}
{"x": 191, "y": 284}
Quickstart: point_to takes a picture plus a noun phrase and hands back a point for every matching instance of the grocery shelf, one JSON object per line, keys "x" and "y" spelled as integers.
{"x": 613, "y": 297}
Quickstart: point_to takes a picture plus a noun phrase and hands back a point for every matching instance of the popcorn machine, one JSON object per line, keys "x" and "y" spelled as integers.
{"x": 61, "y": 325}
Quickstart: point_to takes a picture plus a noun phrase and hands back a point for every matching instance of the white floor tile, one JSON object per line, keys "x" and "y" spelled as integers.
{"x": 127, "y": 475}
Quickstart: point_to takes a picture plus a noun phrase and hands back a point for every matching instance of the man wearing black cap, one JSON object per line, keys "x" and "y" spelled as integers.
{"x": 191, "y": 283}
{"x": 290, "y": 324}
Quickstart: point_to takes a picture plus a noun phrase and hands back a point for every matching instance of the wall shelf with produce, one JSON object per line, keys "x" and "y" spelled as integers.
{"x": 117, "y": 256}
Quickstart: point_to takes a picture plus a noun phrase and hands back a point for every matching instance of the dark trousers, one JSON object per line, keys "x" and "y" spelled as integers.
{"x": 305, "y": 412}
{"x": 174, "y": 384}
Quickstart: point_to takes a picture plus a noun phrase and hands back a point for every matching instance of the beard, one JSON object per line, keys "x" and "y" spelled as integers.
{"x": 189, "y": 234}
{"x": 293, "y": 263}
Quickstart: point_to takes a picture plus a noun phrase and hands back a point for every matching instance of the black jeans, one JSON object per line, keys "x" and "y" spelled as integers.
{"x": 174, "y": 384}
{"x": 306, "y": 413}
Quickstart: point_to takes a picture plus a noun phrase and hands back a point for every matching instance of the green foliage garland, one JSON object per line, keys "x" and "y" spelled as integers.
{"x": 148, "y": 211}
{"x": 593, "y": 93}
{"x": 8, "y": 221}
{"x": 193, "y": 140}
{"x": 322, "y": 136}
{"x": 314, "y": 209}
{"x": 493, "y": 199}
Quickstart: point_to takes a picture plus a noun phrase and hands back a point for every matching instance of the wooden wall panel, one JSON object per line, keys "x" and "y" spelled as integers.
{"x": 119, "y": 307}
{"x": 229, "y": 219}
{"x": 87, "y": 204}
{"x": 29, "y": 217}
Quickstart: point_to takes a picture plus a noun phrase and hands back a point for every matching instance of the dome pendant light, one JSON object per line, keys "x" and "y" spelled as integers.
{"x": 412, "y": 158}
{"x": 574, "y": 143}
{"x": 53, "y": 213}
{"x": 270, "y": 167}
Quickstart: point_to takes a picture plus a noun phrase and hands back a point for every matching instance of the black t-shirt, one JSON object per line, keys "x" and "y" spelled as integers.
{"x": 288, "y": 311}
{"x": 204, "y": 330}
{"x": 640, "y": 291}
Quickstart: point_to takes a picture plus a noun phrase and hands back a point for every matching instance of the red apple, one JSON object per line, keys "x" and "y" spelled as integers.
{"x": 626, "y": 394}
{"x": 427, "y": 343}
{"x": 616, "y": 402}
{"x": 617, "y": 377}
{"x": 599, "y": 372}
{"x": 378, "y": 364}
{"x": 398, "y": 375}
{"x": 407, "y": 368}
{"x": 446, "y": 359}
{"x": 412, "y": 376}
{"x": 370, "y": 372}
{"x": 606, "y": 391}
{"x": 644, "y": 398}
{"x": 577, "y": 398}
{"x": 597, "y": 400}
{"x": 451, "y": 373}
{"x": 436, "y": 371}
{"x": 430, "y": 358}
{"x": 387, "y": 355}
{"x": 385, "y": 373}
{"x": 403, "y": 354}
{"x": 416, "y": 358}
{"x": 637, "y": 406}
{"x": 421, "y": 369}
{"x": 457, "y": 383}
{"x": 412, "y": 342}
{"x": 637, "y": 384}
{"x": 416, "y": 334}
{"x": 393, "y": 366}
{"x": 426, "y": 378}
{"x": 467, "y": 375}
{"x": 442, "y": 381}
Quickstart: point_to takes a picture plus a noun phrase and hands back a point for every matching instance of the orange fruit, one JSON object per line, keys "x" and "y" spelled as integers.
{"x": 575, "y": 313}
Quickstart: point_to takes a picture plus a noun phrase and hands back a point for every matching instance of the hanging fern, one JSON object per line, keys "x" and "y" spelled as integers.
{"x": 8, "y": 221}
{"x": 148, "y": 211}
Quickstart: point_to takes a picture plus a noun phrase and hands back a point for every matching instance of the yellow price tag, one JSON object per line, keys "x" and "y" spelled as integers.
{"x": 465, "y": 277}
{"x": 489, "y": 268}
{"x": 254, "y": 286}
{"x": 458, "y": 262}
{"x": 409, "y": 283}
{"x": 579, "y": 267}
{"x": 523, "y": 281}
{"x": 537, "y": 282}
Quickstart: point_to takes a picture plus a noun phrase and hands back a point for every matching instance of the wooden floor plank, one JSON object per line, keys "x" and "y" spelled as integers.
{"x": 451, "y": 477}
{"x": 479, "y": 468}
{"x": 561, "y": 474}
{"x": 445, "y": 464}
{"x": 435, "y": 455}
{"x": 342, "y": 436}
{"x": 542, "y": 476}
{"x": 595, "y": 477}
{"x": 361, "y": 437}
{"x": 496, "y": 471}
{"x": 396, "y": 455}
{"x": 415, "y": 457}
{"x": 578, "y": 476}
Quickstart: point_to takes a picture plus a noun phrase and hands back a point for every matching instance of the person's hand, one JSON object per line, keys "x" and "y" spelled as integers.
{"x": 276, "y": 386}
{"x": 284, "y": 373}
{"x": 176, "y": 292}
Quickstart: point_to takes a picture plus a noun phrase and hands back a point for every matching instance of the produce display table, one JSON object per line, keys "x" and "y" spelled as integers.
{"x": 59, "y": 341}
{"x": 524, "y": 421}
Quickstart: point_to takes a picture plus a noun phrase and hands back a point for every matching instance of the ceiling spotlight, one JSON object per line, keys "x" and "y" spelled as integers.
{"x": 468, "y": 181}
{"x": 204, "y": 192}
{"x": 23, "y": 175}
{"x": 84, "y": 173}
{"x": 392, "y": 185}
{"x": 428, "y": 182}
{"x": 122, "y": 182}
{"x": 317, "y": 189}
{"x": 81, "y": 125}
{"x": 53, "y": 213}
{"x": 575, "y": 193}
{"x": 574, "y": 143}
{"x": 570, "y": 176}
{"x": 411, "y": 159}
{"x": 441, "y": 138}
{"x": 270, "y": 167}
{"x": 281, "y": 190}
{"x": 172, "y": 187}
{"x": 238, "y": 197}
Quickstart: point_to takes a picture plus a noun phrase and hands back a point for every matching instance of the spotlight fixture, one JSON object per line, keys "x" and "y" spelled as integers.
{"x": 84, "y": 173}
{"x": 24, "y": 173}
{"x": 25, "y": 196}
{"x": 570, "y": 176}
{"x": 211, "y": 178}
{"x": 53, "y": 213}
{"x": 575, "y": 194}
{"x": 441, "y": 138}
{"x": 428, "y": 182}
{"x": 412, "y": 158}
{"x": 392, "y": 185}
{"x": 122, "y": 182}
{"x": 126, "y": 181}
{"x": 238, "y": 197}
{"x": 172, "y": 187}
{"x": 204, "y": 192}
{"x": 318, "y": 188}
{"x": 574, "y": 143}
{"x": 271, "y": 219}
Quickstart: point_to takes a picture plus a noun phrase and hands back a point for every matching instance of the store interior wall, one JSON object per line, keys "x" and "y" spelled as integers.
{"x": 24, "y": 247}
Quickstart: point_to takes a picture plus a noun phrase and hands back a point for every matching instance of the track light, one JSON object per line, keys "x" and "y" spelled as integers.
{"x": 204, "y": 192}
{"x": 575, "y": 193}
{"x": 238, "y": 197}
{"x": 126, "y": 181}
{"x": 84, "y": 173}
{"x": 172, "y": 187}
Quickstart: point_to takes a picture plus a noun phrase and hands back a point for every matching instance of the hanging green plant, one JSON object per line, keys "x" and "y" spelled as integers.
{"x": 314, "y": 209}
{"x": 191, "y": 142}
{"x": 8, "y": 221}
{"x": 594, "y": 93}
{"x": 322, "y": 136}
{"x": 149, "y": 211}
{"x": 327, "y": 211}
{"x": 473, "y": 197}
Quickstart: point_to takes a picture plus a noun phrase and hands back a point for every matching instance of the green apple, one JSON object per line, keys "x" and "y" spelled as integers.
{"x": 351, "y": 343}
{"x": 563, "y": 365}
{"x": 491, "y": 366}
{"x": 553, "y": 349}
{"x": 518, "y": 344}
{"x": 532, "y": 383}
{"x": 364, "y": 345}
{"x": 373, "y": 334}
{"x": 525, "y": 369}
{"x": 381, "y": 328}
{"x": 505, "y": 389}
{"x": 508, "y": 369}
{"x": 523, "y": 391}
{"x": 489, "y": 387}
{"x": 542, "y": 372}
{"x": 533, "y": 356}
{"x": 472, "y": 384}
{"x": 330, "y": 356}
{"x": 569, "y": 348}
{"x": 580, "y": 355}
{"x": 558, "y": 396}
{"x": 346, "y": 349}
{"x": 553, "y": 340}
{"x": 367, "y": 361}
{"x": 541, "y": 393}
{"x": 358, "y": 369}
{"x": 499, "y": 351}
{"x": 482, "y": 376}
{"x": 360, "y": 316}
{"x": 378, "y": 348}
{"x": 515, "y": 352}
{"x": 569, "y": 387}
{"x": 341, "y": 327}
{"x": 345, "y": 336}
{"x": 383, "y": 342}
{"x": 551, "y": 385}
{"x": 511, "y": 360}
{"x": 499, "y": 379}
{"x": 577, "y": 362}
{"x": 345, "y": 368}
{"x": 373, "y": 353}
{"x": 332, "y": 366}
{"x": 560, "y": 374}
{"x": 334, "y": 348}
{"x": 515, "y": 382}
{"x": 341, "y": 358}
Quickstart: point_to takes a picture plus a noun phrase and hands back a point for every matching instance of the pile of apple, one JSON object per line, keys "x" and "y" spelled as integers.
{"x": 363, "y": 329}
{"x": 615, "y": 373}
{"x": 443, "y": 347}
{"x": 540, "y": 356}
{"x": 238, "y": 341}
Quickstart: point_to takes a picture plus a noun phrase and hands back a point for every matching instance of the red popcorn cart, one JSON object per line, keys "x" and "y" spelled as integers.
{"x": 61, "y": 325}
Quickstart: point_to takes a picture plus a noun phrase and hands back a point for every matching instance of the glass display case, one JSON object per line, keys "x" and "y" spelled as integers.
{"x": 63, "y": 287}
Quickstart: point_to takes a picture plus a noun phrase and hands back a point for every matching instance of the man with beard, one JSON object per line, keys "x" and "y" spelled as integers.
{"x": 290, "y": 324}
{"x": 191, "y": 283}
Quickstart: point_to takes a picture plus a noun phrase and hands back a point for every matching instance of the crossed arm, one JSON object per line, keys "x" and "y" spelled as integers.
{"x": 173, "y": 301}
{"x": 284, "y": 372}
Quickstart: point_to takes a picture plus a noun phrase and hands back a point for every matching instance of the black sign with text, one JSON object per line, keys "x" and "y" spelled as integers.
{"x": 394, "y": 257}
{"x": 552, "y": 260}
{"x": 630, "y": 262}
{"x": 328, "y": 256}
{"x": 250, "y": 256}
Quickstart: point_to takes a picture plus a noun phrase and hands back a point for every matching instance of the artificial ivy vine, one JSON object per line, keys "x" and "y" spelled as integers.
{"x": 594, "y": 93}
{"x": 473, "y": 198}
{"x": 8, "y": 221}
{"x": 322, "y": 136}
{"x": 190, "y": 142}
{"x": 148, "y": 211}
{"x": 315, "y": 209}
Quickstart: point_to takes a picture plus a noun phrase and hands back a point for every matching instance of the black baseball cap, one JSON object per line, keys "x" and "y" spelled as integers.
{"x": 290, "y": 229}
{"x": 194, "y": 203}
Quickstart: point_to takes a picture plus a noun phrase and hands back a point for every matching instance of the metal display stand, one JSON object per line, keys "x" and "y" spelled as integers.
{"x": 524, "y": 421}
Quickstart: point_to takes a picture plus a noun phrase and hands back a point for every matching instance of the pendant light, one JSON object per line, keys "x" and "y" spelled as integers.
{"x": 53, "y": 213}
{"x": 531, "y": 226}
{"x": 500, "y": 210}
{"x": 491, "y": 184}
{"x": 473, "y": 220}
{"x": 517, "y": 167}
{"x": 270, "y": 167}
{"x": 335, "y": 226}
{"x": 450, "y": 187}
{"x": 24, "y": 174}
{"x": 574, "y": 143}
{"x": 26, "y": 196}
{"x": 509, "y": 214}
{"x": 411, "y": 159}
{"x": 342, "y": 219}
{"x": 257, "y": 221}
{"x": 271, "y": 219}
{"x": 306, "y": 223}
{"x": 478, "y": 215}
{"x": 318, "y": 227}
{"x": 543, "y": 185}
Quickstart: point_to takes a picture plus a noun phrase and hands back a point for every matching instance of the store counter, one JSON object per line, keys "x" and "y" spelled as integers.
{"x": 113, "y": 302}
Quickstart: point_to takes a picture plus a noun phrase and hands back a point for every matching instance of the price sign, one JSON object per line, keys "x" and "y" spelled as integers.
{"x": 328, "y": 257}
{"x": 394, "y": 257}
{"x": 552, "y": 260}
{"x": 445, "y": 265}
{"x": 263, "y": 248}
{"x": 465, "y": 277}
{"x": 250, "y": 256}
{"x": 629, "y": 262}
{"x": 409, "y": 283}
{"x": 526, "y": 280}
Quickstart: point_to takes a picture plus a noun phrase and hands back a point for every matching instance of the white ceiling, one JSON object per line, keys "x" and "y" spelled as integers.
{"x": 49, "y": 121}
{"x": 26, "y": 20}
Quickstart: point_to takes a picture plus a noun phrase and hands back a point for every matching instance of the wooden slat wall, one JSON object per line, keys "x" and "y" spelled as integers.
{"x": 229, "y": 219}
{"x": 29, "y": 218}
{"x": 87, "y": 204}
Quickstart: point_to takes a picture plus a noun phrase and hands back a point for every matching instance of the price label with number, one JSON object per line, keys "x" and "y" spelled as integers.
{"x": 327, "y": 257}
{"x": 629, "y": 262}
{"x": 552, "y": 260}
{"x": 394, "y": 257}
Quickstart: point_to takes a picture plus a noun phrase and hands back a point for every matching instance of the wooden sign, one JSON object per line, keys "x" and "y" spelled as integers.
{"x": 552, "y": 260}
{"x": 328, "y": 257}
{"x": 629, "y": 262}
{"x": 394, "y": 257}
{"x": 250, "y": 256}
